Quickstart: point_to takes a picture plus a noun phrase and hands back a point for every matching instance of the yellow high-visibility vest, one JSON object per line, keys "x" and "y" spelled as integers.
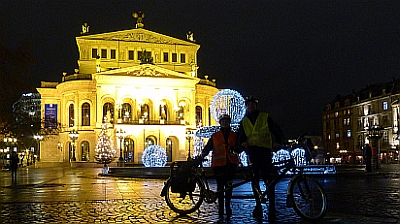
{"x": 259, "y": 134}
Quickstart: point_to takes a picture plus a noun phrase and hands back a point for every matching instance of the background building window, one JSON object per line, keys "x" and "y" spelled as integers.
{"x": 183, "y": 58}
{"x": 71, "y": 115}
{"x": 131, "y": 55}
{"x": 103, "y": 53}
{"x": 129, "y": 146}
{"x": 94, "y": 52}
{"x": 144, "y": 112}
{"x": 174, "y": 57}
{"x": 385, "y": 105}
{"x": 168, "y": 149}
{"x": 113, "y": 54}
{"x": 126, "y": 112}
{"x": 163, "y": 112}
{"x": 85, "y": 114}
{"x": 199, "y": 116}
{"x": 165, "y": 58}
{"x": 85, "y": 151}
{"x": 108, "y": 112}
{"x": 150, "y": 140}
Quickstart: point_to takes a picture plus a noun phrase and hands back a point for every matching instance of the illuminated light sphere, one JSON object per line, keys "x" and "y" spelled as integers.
{"x": 299, "y": 156}
{"x": 281, "y": 155}
{"x": 228, "y": 102}
{"x": 154, "y": 156}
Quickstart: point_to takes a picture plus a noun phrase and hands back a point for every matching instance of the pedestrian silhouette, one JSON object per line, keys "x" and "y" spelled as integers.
{"x": 14, "y": 160}
{"x": 368, "y": 157}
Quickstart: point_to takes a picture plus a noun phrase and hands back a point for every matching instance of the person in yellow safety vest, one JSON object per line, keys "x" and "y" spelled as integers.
{"x": 258, "y": 135}
{"x": 224, "y": 147}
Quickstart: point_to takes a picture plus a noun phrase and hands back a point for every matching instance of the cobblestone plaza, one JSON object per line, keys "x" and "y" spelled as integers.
{"x": 80, "y": 195}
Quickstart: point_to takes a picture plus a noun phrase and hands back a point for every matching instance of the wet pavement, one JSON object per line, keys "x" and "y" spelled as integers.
{"x": 80, "y": 195}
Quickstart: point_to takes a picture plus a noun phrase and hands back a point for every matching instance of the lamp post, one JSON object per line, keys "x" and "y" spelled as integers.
{"x": 189, "y": 137}
{"x": 38, "y": 138}
{"x": 121, "y": 134}
{"x": 73, "y": 135}
{"x": 374, "y": 134}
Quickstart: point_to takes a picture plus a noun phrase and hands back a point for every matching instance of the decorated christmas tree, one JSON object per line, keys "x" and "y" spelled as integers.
{"x": 104, "y": 149}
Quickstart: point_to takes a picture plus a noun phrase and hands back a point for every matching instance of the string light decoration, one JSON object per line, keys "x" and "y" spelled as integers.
{"x": 229, "y": 102}
{"x": 104, "y": 149}
{"x": 281, "y": 155}
{"x": 198, "y": 146}
{"x": 154, "y": 156}
{"x": 299, "y": 156}
{"x": 207, "y": 131}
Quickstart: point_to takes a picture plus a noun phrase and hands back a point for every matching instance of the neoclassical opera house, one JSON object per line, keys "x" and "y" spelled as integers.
{"x": 143, "y": 84}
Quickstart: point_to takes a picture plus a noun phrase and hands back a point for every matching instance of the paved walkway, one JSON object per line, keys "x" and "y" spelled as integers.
{"x": 65, "y": 195}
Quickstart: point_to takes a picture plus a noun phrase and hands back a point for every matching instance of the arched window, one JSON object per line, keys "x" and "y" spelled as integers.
{"x": 108, "y": 112}
{"x": 129, "y": 149}
{"x": 151, "y": 140}
{"x": 85, "y": 114}
{"x": 163, "y": 111}
{"x": 181, "y": 111}
{"x": 126, "y": 112}
{"x": 168, "y": 149}
{"x": 85, "y": 151}
{"x": 71, "y": 118}
{"x": 144, "y": 112}
{"x": 199, "y": 116}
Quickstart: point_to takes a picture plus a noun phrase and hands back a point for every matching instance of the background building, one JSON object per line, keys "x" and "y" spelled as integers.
{"x": 370, "y": 115}
{"x": 142, "y": 83}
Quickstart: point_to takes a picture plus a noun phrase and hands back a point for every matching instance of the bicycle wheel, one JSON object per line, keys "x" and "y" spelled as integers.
{"x": 185, "y": 202}
{"x": 308, "y": 199}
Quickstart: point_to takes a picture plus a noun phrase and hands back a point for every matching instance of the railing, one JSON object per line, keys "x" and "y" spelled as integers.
{"x": 152, "y": 122}
{"x": 77, "y": 77}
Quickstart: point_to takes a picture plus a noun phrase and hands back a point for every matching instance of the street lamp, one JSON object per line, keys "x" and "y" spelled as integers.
{"x": 38, "y": 138}
{"x": 121, "y": 134}
{"x": 374, "y": 134}
{"x": 189, "y": 137}
{"x": 73, "y": 135}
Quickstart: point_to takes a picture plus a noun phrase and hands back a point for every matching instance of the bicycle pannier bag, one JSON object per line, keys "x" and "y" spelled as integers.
{"x": 181, "y": 178}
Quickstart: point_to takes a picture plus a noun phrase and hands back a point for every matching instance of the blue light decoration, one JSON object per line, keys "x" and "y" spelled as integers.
{"x": 299, "y": 157}
{"x": 154, "y": 156}
{"x": 229, "y": 102}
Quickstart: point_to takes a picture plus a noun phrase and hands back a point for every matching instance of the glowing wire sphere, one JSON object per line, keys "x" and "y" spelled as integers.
{"x": 154, "y": 156}
{"x": 281, "y": 155}
{"x": 299, "y": 156}
{"x": 229, "y": 102}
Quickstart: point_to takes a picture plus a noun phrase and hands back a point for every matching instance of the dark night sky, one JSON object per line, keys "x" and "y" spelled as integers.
{"x": 296, "y": 57}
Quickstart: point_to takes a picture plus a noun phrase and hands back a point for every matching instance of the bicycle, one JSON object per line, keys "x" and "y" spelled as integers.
{"x": 304, "y": 194}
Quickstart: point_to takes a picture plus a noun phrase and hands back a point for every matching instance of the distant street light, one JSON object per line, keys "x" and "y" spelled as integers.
{"x": 73, "y": 135}
{"x": 38, "y": 138}
{"x": 189, "y": 137}
{"x": 121, "y": 134}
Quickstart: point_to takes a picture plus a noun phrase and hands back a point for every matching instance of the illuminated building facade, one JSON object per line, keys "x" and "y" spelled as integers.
{"x": 368, "y": 116}
{"x": 140, "y": 82}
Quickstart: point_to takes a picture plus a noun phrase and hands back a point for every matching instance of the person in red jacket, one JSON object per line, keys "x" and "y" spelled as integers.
{"x": 223, "y": 144}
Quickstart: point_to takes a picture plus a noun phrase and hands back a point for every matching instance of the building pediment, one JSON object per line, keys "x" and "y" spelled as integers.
{"x": 145, "y": 70}
{"x": 137, "y": 35}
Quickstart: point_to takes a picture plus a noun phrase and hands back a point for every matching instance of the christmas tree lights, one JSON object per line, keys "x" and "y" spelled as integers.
{"x": 104, "y": 149}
